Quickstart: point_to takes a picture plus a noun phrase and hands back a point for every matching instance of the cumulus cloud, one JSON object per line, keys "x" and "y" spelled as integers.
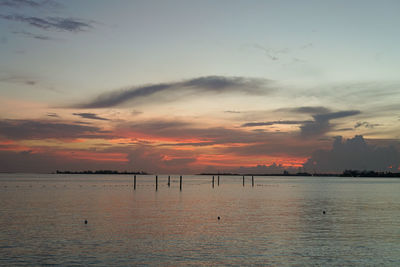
{"x": 354, "y": 154}
{"x": 51, "y": 23}
{"x": 91, "y": 116}
{"x": 208, "y": 84}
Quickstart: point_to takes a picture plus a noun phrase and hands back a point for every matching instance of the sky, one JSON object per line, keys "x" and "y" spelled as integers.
{"x": 199, "y": 86}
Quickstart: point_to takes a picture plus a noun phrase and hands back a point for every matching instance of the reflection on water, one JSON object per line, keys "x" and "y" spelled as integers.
{"x": 279, "y": 221}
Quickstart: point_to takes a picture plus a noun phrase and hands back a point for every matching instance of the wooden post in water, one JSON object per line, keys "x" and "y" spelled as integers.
{"x": 243, "y": 180}
{"x": 169, "y": 181}
{"x": 156, "y": 182}
{"x": 218, "y": 181}
{"x": 134, "y": 182}
{"x": 180, "y": 183}
{"x": 213, "y": 182}
{"x": 252, "y": 180}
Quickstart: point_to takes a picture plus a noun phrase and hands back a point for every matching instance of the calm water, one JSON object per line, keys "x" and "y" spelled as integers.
{"x": 279, "y": 221}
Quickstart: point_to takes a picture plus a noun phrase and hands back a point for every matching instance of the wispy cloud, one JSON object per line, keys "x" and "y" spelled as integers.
{"x": 366, "y": 125}
{"x": 272, "y": 54}
{"x": 29, "y": 4}
{"x": 306, "y": 110}
{"x": 32, "y": 82}
{"x": 52, "y": 114}
{"x": 20, "y": 3}
{"x": 51, "y": 23}
{"x": 208, "y": 84}
{"x": 34, "y": 35}
{"x": 269, "y": 123}
{"x": 18, "y": 79}
{"x": 91, "y": 116}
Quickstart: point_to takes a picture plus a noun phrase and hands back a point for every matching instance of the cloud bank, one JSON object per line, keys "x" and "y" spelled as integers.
{"x": 354, "y": 154}
{"x": 30, "y": 129}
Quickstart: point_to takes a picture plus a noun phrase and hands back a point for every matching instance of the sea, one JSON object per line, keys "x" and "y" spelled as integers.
{"x": 277, "y": 221}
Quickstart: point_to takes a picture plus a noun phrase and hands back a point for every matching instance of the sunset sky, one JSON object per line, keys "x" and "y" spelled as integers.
{"x": 199, "y": 86}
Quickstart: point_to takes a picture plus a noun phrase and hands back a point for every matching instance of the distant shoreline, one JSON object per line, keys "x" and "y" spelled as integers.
{"x": 100, "y": 172}
{"x": 346, "y": 173}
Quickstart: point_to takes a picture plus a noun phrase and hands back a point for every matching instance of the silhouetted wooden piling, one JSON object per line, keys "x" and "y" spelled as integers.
{"x": 213, "y": 181}
{"x": 243, "y": 180}
{"x": 180, "y": 183}
{"x": 218, "y": 181}
{"x": 252, "y": 180}
{"x": 134, "y": 182}
{"x": 169, "y": 181}
{"x": 156, "y": 182}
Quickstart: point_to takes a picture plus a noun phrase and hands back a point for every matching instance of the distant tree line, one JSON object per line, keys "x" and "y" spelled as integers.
{"x": 356, "y": 173}
{"x": 100, "y": 172}
{"x": 346, "y": 173}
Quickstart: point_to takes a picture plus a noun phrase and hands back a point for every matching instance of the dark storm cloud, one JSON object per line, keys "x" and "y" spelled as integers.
{"x": 91, "y": 116}
{"x": 30, "y": 129}
{"x": 51, "y": 23}
{"x": 209, "y": 84}
{"x": 354, "y": 154}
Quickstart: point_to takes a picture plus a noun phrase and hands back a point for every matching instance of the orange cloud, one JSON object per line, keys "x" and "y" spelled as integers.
{"x": 94, "y": 156}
